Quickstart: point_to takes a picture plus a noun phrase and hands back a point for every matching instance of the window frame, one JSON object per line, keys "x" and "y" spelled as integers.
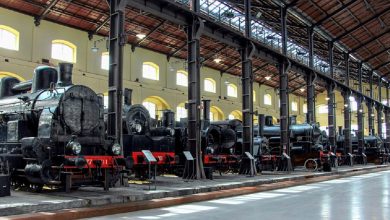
{"x": 184, "y": 73}
{"x": 269, "y": 97}
{"x": 214, "y": 90}
{"x": 234, "y": 90}
{"x": 72, "y": 46}
{"x": 153, "y": 65}
{"x": 294, "y": 106}
{"x": 104, "y": 54}
{"x": 182, "y": 110}
{"x": 13, "y": 32}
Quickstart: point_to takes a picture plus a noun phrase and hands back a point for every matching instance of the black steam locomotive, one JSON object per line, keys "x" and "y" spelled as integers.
{"x": 52, "y": 132}
{"x": 306, "y": 140}
{"x": 374, "y": 149}
{"x": 141, "y": 132}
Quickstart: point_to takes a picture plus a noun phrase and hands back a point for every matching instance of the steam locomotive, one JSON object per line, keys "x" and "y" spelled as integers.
{"x": 374, "y": 148}
{"x": 52, "y": 132}
{"x": 140, "y": 133}
{"x": 306, "y": 141}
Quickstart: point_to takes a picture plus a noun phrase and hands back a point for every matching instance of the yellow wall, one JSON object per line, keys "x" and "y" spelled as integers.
{"x": 35, "y": 45}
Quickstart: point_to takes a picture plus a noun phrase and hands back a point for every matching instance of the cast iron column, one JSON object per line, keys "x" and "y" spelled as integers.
{"x": 387, "y": 120}
{"x": 331, "y": 102}
{"x": 194, "y": 32}
{"x": 360, "y": 113}
{"x": 117, "y": 41}
{"x": 283, "y": 87}
{"x": 347, "y": 122}
{"x": 370, "y": 109}
{"x": 331, "y": 114}
{"x": 310, "y": 116}
{"x": 246, "y": 79}
{"x": 379, "y": 108}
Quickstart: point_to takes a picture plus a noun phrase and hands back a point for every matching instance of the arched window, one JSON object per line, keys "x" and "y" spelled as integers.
{"x": 63, "y": 50}
{"x": 8, "y": 74}
{"x": 254, "y": 96}
{"x": 216, "y": 114}
{"x": 353, "y": 103}
{"x": 232, "y": 90}
{"x": 150, "y": 71}
{"x": 294, "y": 106}
{"x": 267, "y": 99}
{"x": 105, "y": 60}
{"x": 209, "y": 85}
{"x": 181, "y": 112}
{"x": 236, "y": 114}
{"x": 322, "y": 109}
{"x": 155, "y": 105}
{"x": 304, "y": 108}
{"x": 182, "y": 78}
{"x": 9, "y": 38}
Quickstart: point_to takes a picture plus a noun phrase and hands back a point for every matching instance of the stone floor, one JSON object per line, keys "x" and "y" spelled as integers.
{"x": 166, "y": 186}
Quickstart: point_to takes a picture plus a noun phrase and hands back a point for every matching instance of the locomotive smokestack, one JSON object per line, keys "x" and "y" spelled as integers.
{"x": 261, "y": 121}
{"x": 340, "y": 130}
{"x": 293, "y": 120}
{"x": 268, "y": 120}
{"x": 206, "y": 113}
{"x": 168, "y": 119}
{"x": 128, "y": 95}
{"x": 65, "y": 74}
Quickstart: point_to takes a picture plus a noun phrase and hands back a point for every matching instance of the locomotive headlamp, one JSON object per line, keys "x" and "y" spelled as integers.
{"x": 116, "y": 149}
{"x": 171, "y": 131}
{"x": 137, "y": 127}
{"x": 74, "y": 146}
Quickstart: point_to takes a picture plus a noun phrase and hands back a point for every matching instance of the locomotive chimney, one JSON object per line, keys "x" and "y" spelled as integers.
{"x": 206, "y": 113}
{"x": 65, "y": 74}
{"x": 168, "y": 119}
{"x": 293, "y": 120}
{"x": 127, "y": 95}
{"x": 340, "y": 130}
{"x": 268, "y": 120}
{"x": 261, "y": 121}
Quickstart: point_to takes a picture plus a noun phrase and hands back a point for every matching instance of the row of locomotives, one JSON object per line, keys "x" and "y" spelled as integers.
{"x": 309, "y": 146}
{"x": 52, "y": 133}
{"x": 141, "y": 132}
{"x": 373, "y": 151}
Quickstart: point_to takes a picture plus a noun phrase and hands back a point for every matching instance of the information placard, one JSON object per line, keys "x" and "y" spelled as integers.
{"x": 188, "y": 155}
{"x": 149, "y": 156}
{"x": 249, "y": 155}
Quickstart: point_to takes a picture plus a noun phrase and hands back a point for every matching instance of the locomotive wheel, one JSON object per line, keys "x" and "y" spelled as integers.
{"x": 311, "y": 165}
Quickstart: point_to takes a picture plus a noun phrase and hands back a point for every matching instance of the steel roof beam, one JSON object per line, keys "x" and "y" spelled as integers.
{"x": 344, "y": 6}
{"x": 369, "y": 41}
{"x": 147, "y": 35}
{"x": 376, "y": 54}
{"x": 179, "y": 14}
{"x": 38, "y": 19}
{"x": 361, "y": 24}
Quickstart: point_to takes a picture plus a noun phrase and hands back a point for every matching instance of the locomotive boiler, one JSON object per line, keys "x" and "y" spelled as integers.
{"x": 52, "y": 132}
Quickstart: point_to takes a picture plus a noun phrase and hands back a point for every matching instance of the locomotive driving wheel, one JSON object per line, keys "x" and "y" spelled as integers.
{"x": 311, "y": 165}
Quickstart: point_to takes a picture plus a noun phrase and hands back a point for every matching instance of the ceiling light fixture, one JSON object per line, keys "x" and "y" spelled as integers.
{"x": 327, "y": 98}
{"x": 268, "y": 77}
{"x": 140, "y": 36}
{"x": 217, "y": 60}
{"x": 302, "y": 89}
